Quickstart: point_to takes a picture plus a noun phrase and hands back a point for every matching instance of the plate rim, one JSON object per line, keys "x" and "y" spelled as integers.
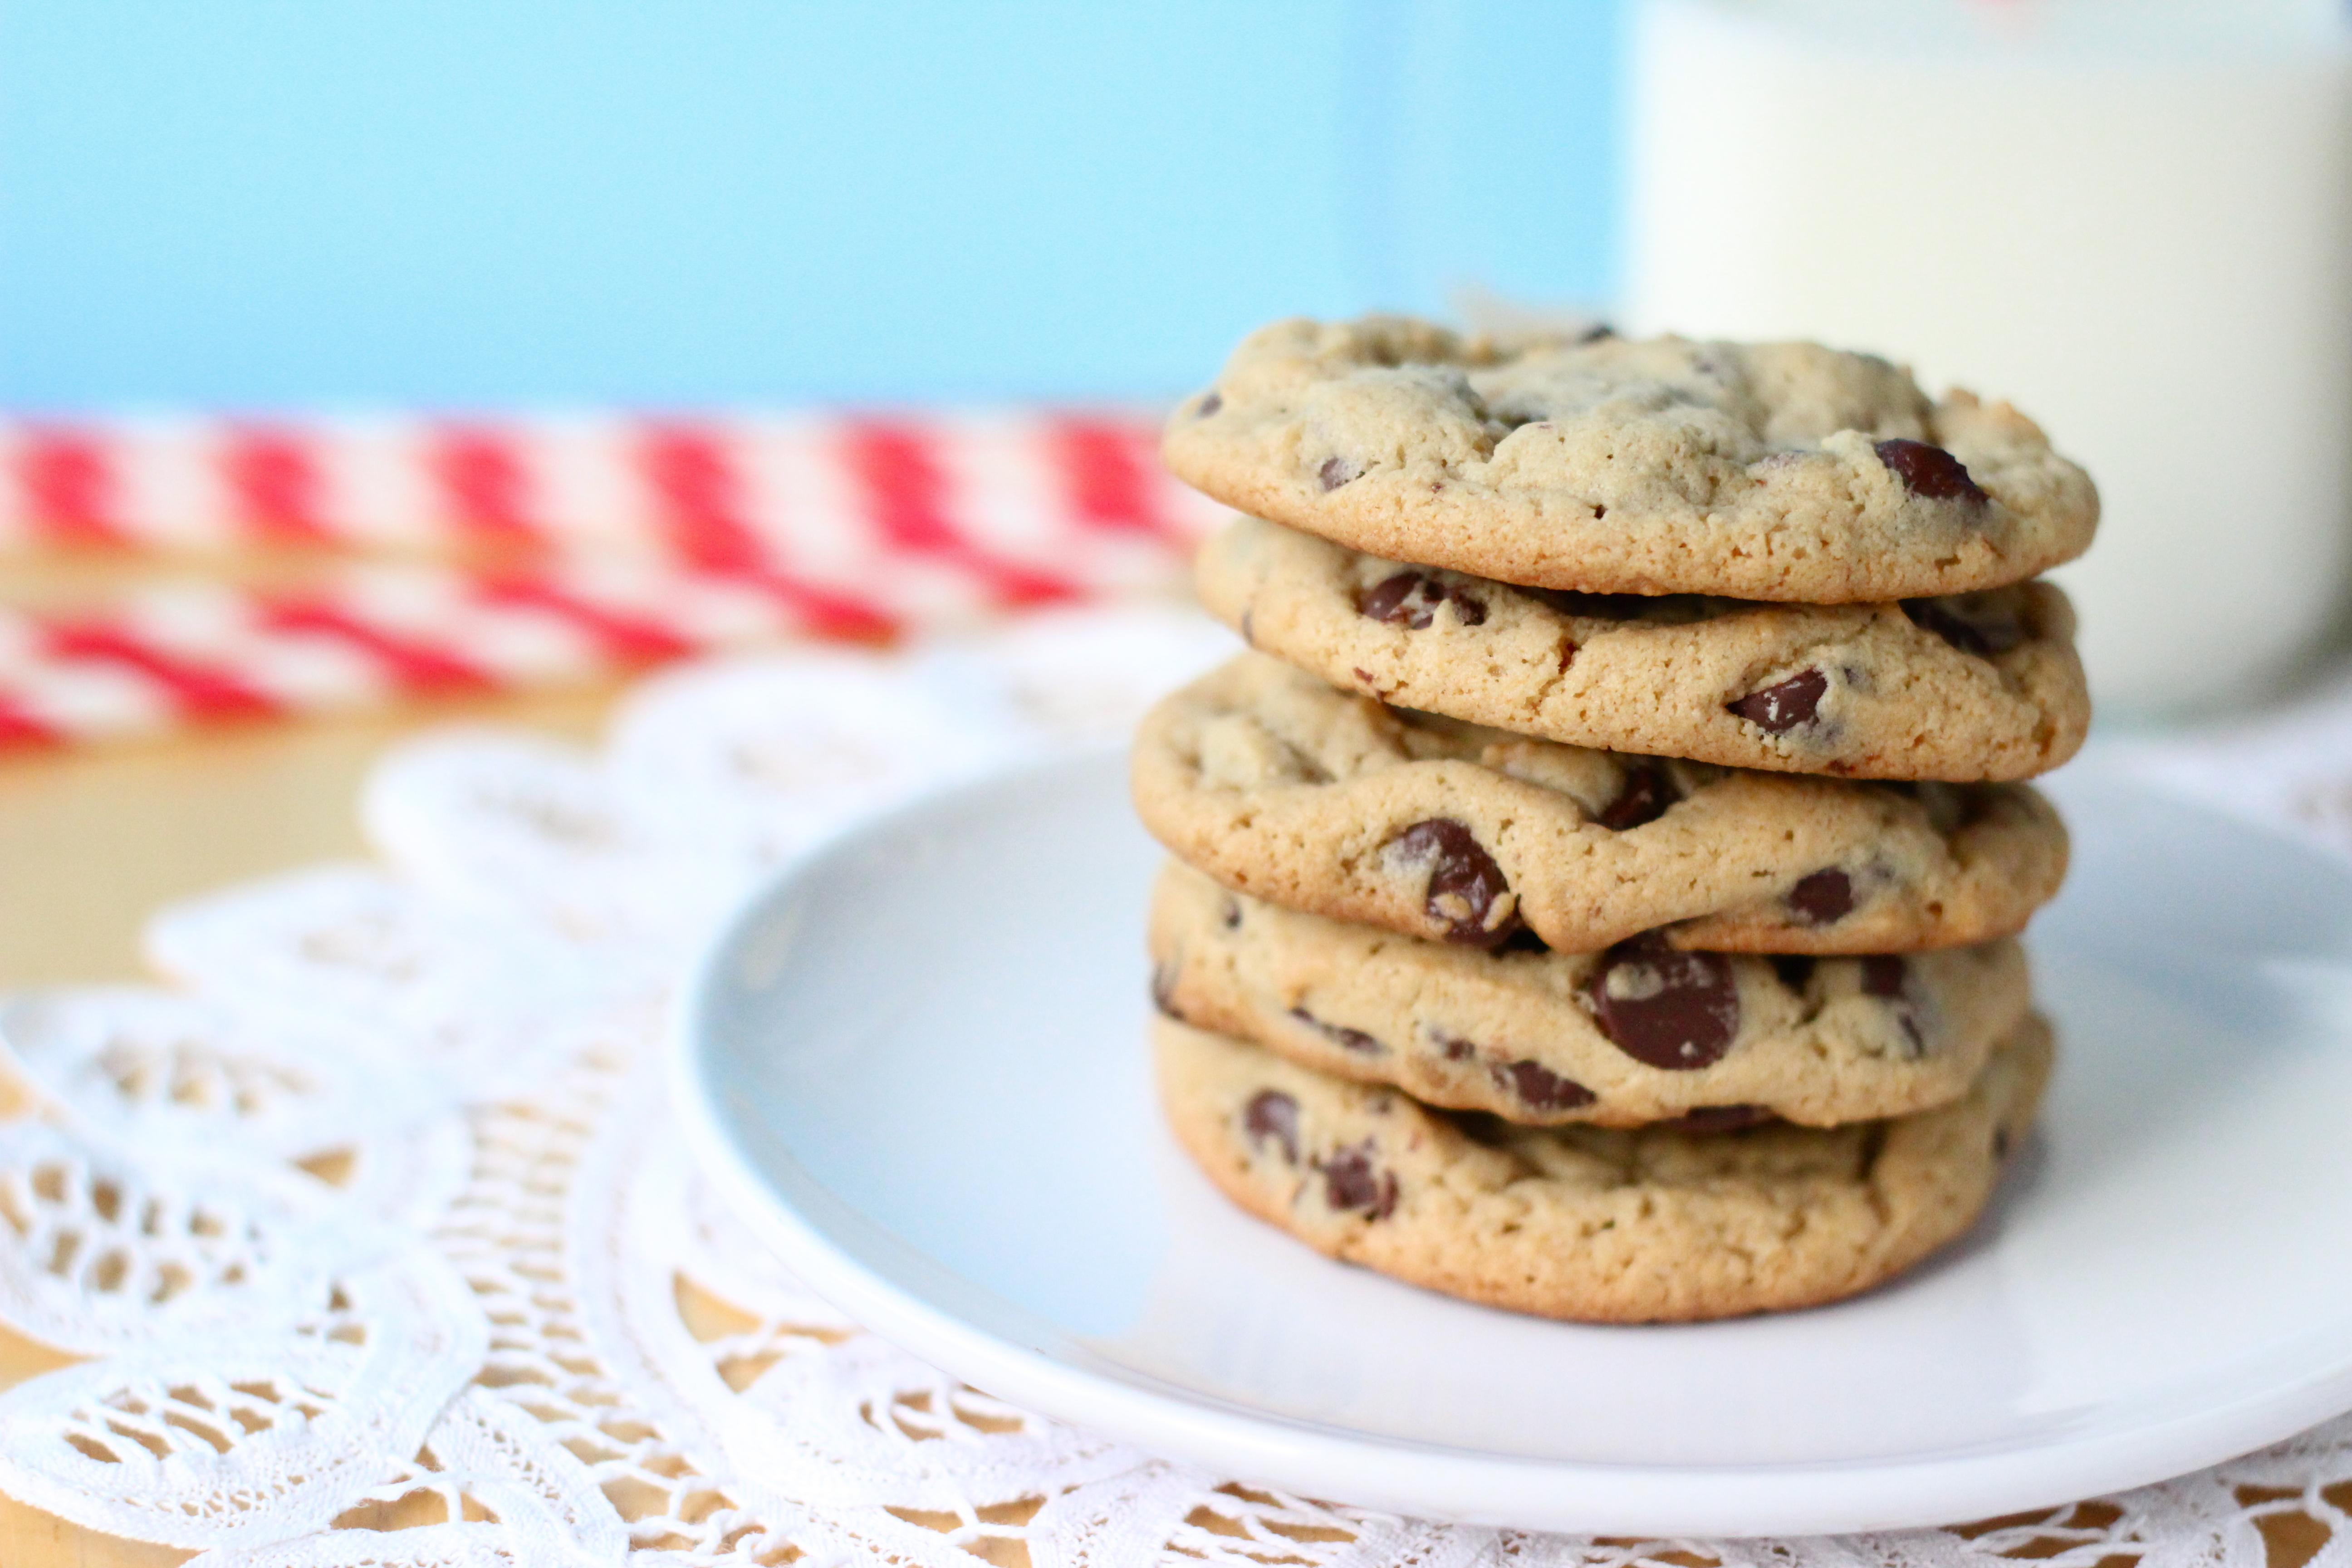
{"x": 1430, "y": 1480}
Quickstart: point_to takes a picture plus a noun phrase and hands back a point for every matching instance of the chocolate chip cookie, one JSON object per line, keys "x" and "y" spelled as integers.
{"x": 1641, "y": 1032}
{"x": 1781, "y": 471}
{"x": 1977, "y": 686}
{"x": 1280, "y": 786}
{"x": 1596, "y": 1224}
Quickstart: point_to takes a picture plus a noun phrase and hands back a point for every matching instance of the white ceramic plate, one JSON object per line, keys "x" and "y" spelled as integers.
{"x": 918, "y": 1066}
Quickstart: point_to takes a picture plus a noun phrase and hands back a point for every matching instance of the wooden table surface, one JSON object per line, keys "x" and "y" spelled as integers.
{"x": 92, "y": 841}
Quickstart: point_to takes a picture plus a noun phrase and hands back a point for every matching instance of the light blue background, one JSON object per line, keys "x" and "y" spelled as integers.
{"x": 491, "y": 201}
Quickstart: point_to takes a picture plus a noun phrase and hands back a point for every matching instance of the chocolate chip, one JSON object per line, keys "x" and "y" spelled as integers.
{"x": 1347, "y": 1039}
{"x": 1666, "y": 1008}
{"x": 1643, "y": 796}
{"x": 1777, "y": 710}
{"x": 1542, "y": 1088}
{"x": 1717, "y": 1119}
{"x": 1951, "y": 808}
{"x": 1488, "y": 1131}
{"x": 1595, "y": 606}
{"x": 1823, "y": 897}
{"x": 1164, "y": 989}
{"x": 1273, "y": 1114}
{"x": 1883, "y": 976}
{"x": 1456, "y": 1047}
{"x": 1795, "y": 970}
{"x": 1412, "y": 600}
{"x": 1465, "y": 884}
{"x": 1386, "y": 601}
{"x": 1337, "y": 471}
{"x": 1970, "y": 629}
{"x": 1352, "y": 1182}
{"x": 1929, "y": 472}
{"x": 1210, "y": 404}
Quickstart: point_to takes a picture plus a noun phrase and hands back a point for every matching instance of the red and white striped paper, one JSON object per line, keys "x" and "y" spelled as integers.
{"x": 500, "y": 556}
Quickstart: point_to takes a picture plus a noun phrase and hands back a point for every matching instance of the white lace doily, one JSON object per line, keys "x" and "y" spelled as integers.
{"x": 380, "y": 1249}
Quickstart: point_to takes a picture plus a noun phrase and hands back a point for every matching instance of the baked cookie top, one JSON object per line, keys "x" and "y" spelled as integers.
{"x": 1639, "y": 1034}
{"x": 1596, "y": 1224}
{"x": 1279, "y": 786}
{"x": 1973, "y": 686}
{"x": 1784, "y": 471}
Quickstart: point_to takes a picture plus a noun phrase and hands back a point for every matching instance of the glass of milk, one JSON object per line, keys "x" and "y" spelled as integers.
{"x": 2131, "y": 218}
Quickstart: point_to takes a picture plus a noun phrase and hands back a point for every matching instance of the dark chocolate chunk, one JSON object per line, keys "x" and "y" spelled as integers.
{"x": 1488, "y": 1131}
{"x": 1930, "y": 472}
{"x": 1352, "y": 1182}
{"x": 1273, "y": 1114}
{"x": 1337, "y": 471}
{"x": 1883, "y": 976}
{"x": 1542, "y": 1088}
{"x": 1210, "y": 404}
{"x": 1412, "y": 600}
{"x": 1971, "y": 627}
{"x": 1347, "y": 1039}
{"x": 1387, "y": 600}
{"x": 1465, "y": 883}
{"x": 1456, "y": 1047}
{"x": 1644, "y": 797}
{"x": 1823, "y": 897}
{"x": 1960, "y": 805}
{"x": 1663, "y": 1008}
{"x": 1781, "y": 708}
{"x": 1164, "y": 989}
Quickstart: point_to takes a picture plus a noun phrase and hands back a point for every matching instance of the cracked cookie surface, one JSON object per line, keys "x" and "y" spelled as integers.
{"x": 1778, "y": 471}
{"x": 1982, "y": 686}
{"x": 1282, "y": 787}
{"x": 1588, "y": 1223}
{"x": 1638, "y": 1035}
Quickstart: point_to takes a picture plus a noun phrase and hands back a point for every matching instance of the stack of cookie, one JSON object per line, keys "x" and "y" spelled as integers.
{"x": 1595, "y": 893}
